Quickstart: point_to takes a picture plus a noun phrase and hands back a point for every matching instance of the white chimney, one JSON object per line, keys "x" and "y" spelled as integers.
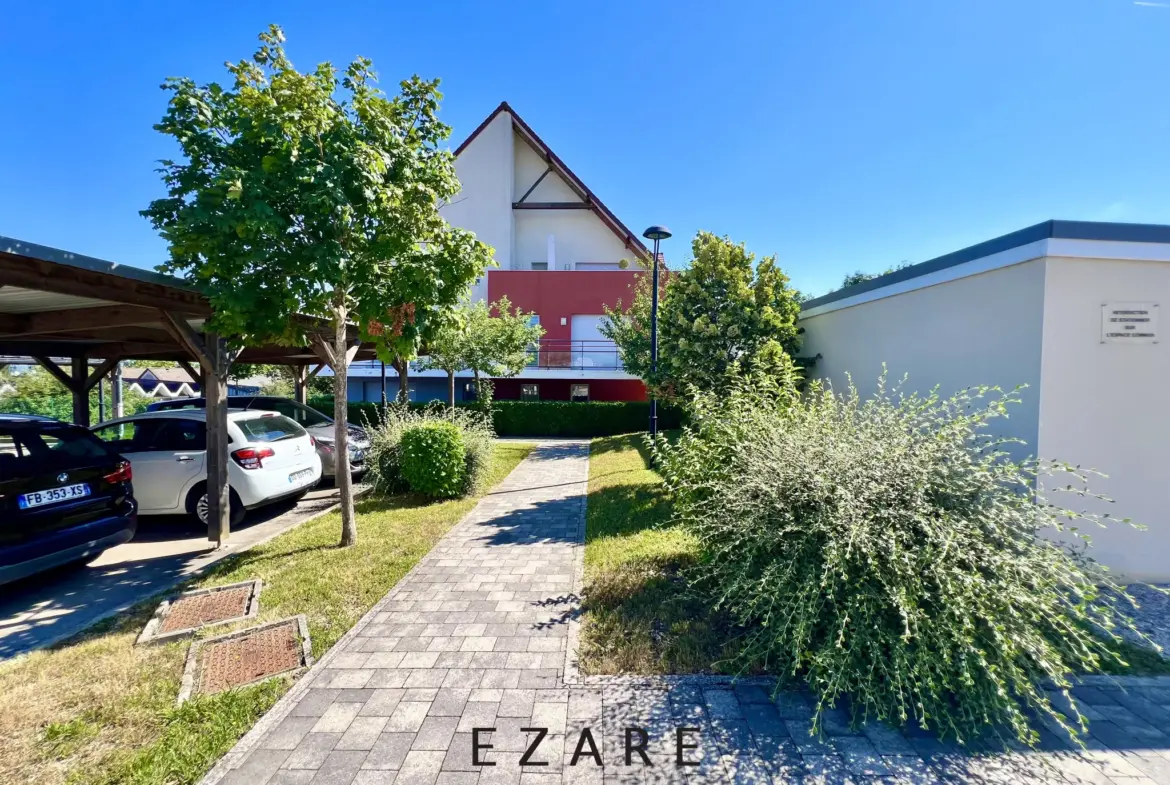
{"x": 552, "y": 252}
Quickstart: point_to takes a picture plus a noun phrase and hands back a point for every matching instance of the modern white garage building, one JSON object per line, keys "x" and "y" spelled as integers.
{"x": 1069, "y": 308}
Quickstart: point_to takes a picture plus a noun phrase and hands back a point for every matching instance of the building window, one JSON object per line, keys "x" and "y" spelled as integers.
{"x": 534, "y": 349}
{"x": 530, "y": 392}
{"x": 469, "y": 391}
{"x": 579, "y": 392}
{"x": 540, "y": 265}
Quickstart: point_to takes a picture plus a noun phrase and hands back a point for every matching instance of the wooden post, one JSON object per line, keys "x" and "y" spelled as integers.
{"x": 215, "y": 393}
{"x": 79, "y": 373}
{"x": 116, "y": 390}
{"x": 300, "y": 382}
{"x": 215, "y": 362}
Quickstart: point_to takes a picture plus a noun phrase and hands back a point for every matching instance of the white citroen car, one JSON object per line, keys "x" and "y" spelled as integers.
{"x": 270, "y": 458}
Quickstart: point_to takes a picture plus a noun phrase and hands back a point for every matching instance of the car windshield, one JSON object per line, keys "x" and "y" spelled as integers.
{"x": 26, "y": 451}
{"x": 269, "y": 428}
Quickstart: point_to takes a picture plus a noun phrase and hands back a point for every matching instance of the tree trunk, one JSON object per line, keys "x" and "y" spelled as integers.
{"x": 341, "y": 426}
{"x": 403, "y": 368}
{"x": 451, "y": 389}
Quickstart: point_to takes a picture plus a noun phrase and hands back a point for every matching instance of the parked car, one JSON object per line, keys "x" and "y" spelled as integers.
{"x": 317, "y": 424}
{"x": 271, "y": 458}
{"x": 64, "y": 496}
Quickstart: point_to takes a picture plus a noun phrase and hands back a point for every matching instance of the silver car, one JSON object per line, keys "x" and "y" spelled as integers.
{"x": 317, "y": 424}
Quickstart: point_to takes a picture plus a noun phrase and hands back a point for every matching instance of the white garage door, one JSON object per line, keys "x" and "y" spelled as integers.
{"x": 591, "y": 349}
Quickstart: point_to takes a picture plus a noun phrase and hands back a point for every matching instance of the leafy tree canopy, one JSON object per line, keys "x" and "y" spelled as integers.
{"x": 314, "y": 194}
{"x": 725, "y": 315}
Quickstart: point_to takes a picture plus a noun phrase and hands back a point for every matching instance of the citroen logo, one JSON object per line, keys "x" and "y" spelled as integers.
{"x": 62, "y": 477}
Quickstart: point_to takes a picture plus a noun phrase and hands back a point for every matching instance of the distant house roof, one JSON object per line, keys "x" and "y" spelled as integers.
{"x": 596, "y": 205}
{"x": 1067, "y": 230}
{"x": 166, "y": 375}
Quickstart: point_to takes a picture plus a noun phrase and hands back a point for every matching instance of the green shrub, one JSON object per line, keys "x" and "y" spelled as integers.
{"x": 385, "y": 459}
{"x": 888, "y": 550}
{"x": 539, "y": 418}
{"x": 432, "y": 459}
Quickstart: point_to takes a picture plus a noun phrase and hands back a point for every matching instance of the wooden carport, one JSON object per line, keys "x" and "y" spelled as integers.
{"x": 57, "y": 304}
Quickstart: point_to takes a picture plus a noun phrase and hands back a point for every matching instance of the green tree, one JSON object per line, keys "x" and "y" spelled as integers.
{"x": 313, "y": 194}
{"x": 860, "y": 276}
{"x": 725, "y": 315}
{"x": 483, "y": 343}
{"x": 35, "y": 391}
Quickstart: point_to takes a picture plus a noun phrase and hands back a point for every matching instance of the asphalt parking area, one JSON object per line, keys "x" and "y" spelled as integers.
{"x": 50, "y": 607}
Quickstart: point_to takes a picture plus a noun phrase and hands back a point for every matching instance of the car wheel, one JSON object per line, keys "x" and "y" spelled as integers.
{"x": 197, "y": 506}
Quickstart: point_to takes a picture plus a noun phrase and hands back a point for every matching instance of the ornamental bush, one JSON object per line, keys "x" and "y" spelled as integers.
{"x": 888, "y": 551}
{"x": 432, "y": 459}
{"x": 386, "y": 458}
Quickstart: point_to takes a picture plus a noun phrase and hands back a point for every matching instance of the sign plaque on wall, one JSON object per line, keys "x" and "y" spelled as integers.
{"x": 1129, "y": 323}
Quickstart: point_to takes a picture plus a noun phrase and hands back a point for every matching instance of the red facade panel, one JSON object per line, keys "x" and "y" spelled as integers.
{"x": 559, "y": 294}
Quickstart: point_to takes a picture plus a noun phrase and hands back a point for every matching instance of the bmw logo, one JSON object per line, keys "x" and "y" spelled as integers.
{"x": 62, "y": 477}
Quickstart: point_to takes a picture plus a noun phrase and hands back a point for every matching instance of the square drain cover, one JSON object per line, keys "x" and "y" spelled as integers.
{"x": 179, "y": 617}
{"x": 246, "y": 657}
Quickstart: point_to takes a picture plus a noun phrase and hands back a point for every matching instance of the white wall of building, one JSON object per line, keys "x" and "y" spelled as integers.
{"x": 983, "y": 329}
{"x": 579, "y": 235}
{"x": 484, "y": 205}
{"x": 1105, "y": 406}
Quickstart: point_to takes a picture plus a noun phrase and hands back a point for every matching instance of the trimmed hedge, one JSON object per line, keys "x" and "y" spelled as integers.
{"x": 544, "y": 418}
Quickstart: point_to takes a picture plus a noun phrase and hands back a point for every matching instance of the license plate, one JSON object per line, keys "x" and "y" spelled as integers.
{"x": 64, "y": 493}
{"x": 302, "y": 474}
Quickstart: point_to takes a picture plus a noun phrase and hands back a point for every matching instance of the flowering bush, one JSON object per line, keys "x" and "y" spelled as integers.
{"x": 888, "y": 550}
{"x": 386, "y": 470}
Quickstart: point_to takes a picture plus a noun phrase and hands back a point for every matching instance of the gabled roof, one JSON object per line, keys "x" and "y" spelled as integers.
{"x": 596, "y": 205}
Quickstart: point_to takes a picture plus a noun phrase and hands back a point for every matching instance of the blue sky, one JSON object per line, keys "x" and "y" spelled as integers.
{"x": 838, "y": 136}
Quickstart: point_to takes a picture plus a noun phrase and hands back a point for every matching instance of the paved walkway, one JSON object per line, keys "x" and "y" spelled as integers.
{"x": 47, "y": 608}
{"x": 480, "y": 634}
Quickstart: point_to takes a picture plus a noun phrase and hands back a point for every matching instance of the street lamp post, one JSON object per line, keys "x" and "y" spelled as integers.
{"x": 655, "y": 233}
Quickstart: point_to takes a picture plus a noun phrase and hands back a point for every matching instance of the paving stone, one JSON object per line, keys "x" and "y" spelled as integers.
{"x": 337, "y": 718}
{"x": 389, "y": 751}
{"x": 398, "y": 703}
{"x": 312, "y": 750}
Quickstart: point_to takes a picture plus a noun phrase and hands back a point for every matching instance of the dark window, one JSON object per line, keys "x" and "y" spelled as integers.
{"x": 24, "y": 451}
{"x": 530, "y": 392}
{"x": 132, "y": 436}
{"x": 469, "y": 391}
{"x": 272, "y": 428}
{"x": 579, "y": 392}
{"x": 180, "y": 435}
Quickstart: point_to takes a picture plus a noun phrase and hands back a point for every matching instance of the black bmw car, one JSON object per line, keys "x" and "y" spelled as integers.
{"x": 64, "y": 496}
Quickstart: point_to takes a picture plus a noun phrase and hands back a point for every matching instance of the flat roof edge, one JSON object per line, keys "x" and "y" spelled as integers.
{"x": 1052, "y": 229}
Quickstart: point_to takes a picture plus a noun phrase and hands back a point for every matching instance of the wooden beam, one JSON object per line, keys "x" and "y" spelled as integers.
{"x": 190, "y": 340}
{"x": 320, "y": 367}
{"x": 551, "y": 206}
{"x": 55, "y": 370}
{"x": 186, "y": 366}
{"x": 10, "y": 323}
{"x": 532, "y": 188}
{"x": 96, "y": 374}
{"x": 100, "y": 317}
{"x": 323, "y": 350}
{"x": 42, "y": 276}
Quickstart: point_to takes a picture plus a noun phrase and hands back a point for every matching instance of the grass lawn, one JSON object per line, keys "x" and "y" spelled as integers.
{"x": 96, "y": 709}
{"x": 640, "y": 616}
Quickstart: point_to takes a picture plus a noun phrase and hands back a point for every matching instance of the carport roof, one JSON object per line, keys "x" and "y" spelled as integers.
{"x": 62, "y": 304}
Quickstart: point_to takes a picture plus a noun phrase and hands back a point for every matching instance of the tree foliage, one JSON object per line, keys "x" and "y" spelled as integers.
{"x": 860, "y": 276}
{"x": 487, "y": 339}
{"x": 723, "y": 316}
{"x": 314, "y": 194}
{"x": 35, "y": 391}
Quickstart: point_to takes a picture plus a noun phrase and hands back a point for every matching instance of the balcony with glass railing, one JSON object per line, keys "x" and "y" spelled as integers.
{"x": 555, "y": 353}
